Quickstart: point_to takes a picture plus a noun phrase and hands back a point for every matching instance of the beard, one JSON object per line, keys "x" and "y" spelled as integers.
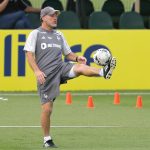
{"x": 51, "y": 25}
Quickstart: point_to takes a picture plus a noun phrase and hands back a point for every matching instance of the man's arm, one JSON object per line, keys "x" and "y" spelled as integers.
{"x": 3, "y": 5}
{"x": 69, "y": 54}
{"x": 38, "y": 73}
{"x": 73, "y": 57}
{"x": 30, "y": 9}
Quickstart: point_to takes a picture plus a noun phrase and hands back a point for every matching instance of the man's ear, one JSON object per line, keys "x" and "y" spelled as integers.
{"x": 43, "y": 18}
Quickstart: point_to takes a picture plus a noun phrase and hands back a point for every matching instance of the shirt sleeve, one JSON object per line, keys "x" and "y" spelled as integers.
{"x": 30, "y": 44}
{"x": 65, "y": 47}
{"x": 22, "y": 4}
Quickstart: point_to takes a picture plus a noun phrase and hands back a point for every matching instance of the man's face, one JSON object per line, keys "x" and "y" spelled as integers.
{"x": 51, "y": 20}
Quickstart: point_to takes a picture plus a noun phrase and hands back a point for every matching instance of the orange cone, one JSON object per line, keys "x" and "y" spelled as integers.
{"x": 90, "y": 103}
{"x": 139, "y": 102}
{"x": 116, "y": 98}
{"x": 68, "y": 98}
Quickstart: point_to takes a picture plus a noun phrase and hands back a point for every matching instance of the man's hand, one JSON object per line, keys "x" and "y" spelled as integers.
{"x": 40, "y": 76}
{"x": 81, "y": 60}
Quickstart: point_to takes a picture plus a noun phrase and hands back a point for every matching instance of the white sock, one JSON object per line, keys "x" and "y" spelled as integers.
{"x": 101, "y": 72}
{"x": 46, "y": 138}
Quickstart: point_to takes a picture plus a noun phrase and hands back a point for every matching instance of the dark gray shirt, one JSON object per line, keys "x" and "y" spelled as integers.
{"x": 48, "y": 47}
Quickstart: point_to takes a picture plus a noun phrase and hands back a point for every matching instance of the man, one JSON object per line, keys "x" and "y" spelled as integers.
{"x": 44, "y": 48}
{"x": 12, "y": 14}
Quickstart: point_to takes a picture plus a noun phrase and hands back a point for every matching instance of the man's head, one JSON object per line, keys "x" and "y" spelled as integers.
{"x": 49, "y": 16}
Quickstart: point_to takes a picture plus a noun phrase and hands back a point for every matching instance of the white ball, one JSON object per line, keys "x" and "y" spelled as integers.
{"x": 102, "y": 56}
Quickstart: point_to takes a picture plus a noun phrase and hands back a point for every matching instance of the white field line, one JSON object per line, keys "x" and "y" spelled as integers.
{"x": 78, "y": 94}
{"x": 61, "y": 126}
{"x": 3, "y": 99}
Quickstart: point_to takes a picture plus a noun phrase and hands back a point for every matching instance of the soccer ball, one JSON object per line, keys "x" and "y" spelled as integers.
{"x": 102, "y": 56}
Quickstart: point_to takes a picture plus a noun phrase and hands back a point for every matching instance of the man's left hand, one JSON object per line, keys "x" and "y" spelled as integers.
{"x": 81, "y": 60}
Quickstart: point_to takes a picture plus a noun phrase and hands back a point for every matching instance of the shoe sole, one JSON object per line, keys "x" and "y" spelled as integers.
{"x": 112, "y": 67}
{"x": 54, "y": 146}
{"x": 50, "y": 147}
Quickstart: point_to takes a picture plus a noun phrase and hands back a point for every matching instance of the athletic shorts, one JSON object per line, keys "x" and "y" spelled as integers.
{"x": 51, "y": 88}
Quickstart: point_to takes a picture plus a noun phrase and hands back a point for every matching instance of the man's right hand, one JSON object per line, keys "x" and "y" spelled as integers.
{"x": 40, "y": 76}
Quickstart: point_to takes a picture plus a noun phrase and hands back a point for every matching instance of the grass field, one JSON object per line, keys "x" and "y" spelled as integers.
{"x": 76, "y": 127}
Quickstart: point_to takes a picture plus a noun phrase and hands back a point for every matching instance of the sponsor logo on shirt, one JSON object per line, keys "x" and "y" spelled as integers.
{"x": 44, "y": 46}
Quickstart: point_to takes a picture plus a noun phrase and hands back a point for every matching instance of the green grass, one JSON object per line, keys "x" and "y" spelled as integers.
{"x": 133, "y": 133}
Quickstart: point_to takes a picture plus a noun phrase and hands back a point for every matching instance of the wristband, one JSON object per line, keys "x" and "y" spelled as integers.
{"x": 77, "y": 59}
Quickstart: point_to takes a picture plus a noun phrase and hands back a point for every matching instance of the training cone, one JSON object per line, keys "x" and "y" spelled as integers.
{"x": 68, "y": 98}
{"x": 116, "y": 98}
{"x": 90, "y": 103}
{"x": 139, "y": 102}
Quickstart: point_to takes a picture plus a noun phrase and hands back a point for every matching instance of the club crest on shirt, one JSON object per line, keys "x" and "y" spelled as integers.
{"x": 58, "y": 38}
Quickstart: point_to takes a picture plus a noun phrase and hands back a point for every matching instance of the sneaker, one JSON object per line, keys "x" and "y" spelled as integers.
{"x": 49, "y": 144}
{"x": 108, "y": 69}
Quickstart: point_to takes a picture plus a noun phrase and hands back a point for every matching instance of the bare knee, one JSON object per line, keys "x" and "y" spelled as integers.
{"x": 47, "y": 109}
{"x": 79, "y": 69}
